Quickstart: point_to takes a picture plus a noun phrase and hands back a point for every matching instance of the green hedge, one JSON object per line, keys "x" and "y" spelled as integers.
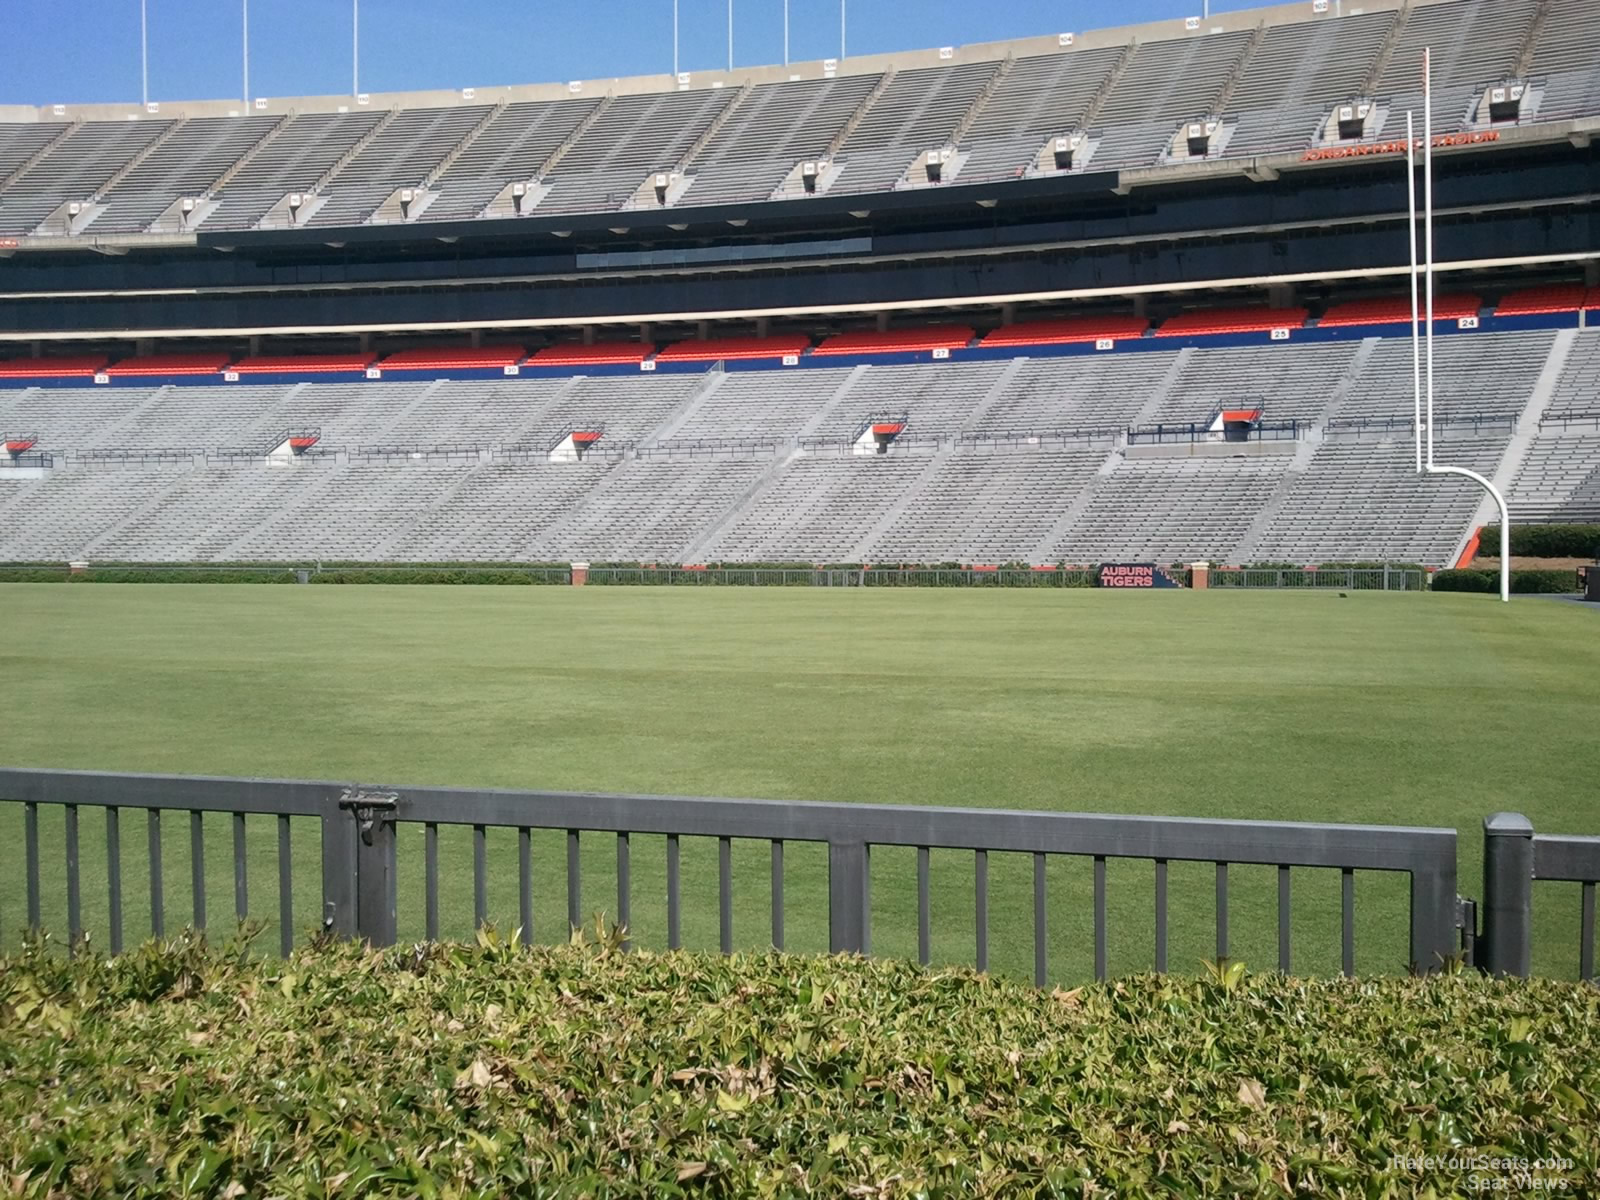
{"x": 146, "y": 575}
{"x": 495, "y": 1071}
{"x": 444, "y": 575}
{"x": 1544, "y": 541}
{"x": 1522, "y": 582}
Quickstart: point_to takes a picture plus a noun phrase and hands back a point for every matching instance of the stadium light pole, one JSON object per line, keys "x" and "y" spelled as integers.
{"x": 674, "y": 39}
{"x": 786, "y": 32}
{"x": 1432, "y": 467}
{"x": 730, "y": 37}
{"x": 841, "y": 30}
{"x": 355, "y": 47}
{"x": 144, "y": 56}
{"x": 247, "y": 53}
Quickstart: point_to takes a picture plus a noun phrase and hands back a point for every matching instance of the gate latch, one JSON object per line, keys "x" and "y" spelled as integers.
{"x": 369, "y": 808}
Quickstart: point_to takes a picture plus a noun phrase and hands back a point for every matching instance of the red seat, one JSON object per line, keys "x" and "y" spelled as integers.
{"x": 205, "y": 362}
{"x": 718, "y": 349}
{"x": 1394, "y": 310}
{"x": 1066, "y": 330}
{"x": 599, "y": 354}
{"x": 897, "y": 341}
{"x": 265, "y": 364}
{"x": 67, "y": 366}
{"x": 1554, "y": 299}
{"x": 1593, "y": 298}
{"x": 1232, "y": 320}
{"x": 442, "y": 358}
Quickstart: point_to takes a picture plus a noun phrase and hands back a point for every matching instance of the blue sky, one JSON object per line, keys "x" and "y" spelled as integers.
{"x": 87, "y": 51}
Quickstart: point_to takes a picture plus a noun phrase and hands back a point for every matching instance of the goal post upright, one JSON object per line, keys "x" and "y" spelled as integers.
{"x": 1431, "y": 467}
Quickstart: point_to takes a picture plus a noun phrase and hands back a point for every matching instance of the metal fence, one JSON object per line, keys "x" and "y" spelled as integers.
{"x": 840, "y": 576}
{"x": 358, "y": 858}
{"x": 1352, "y": 579}
{"x": 1514, "y": 859}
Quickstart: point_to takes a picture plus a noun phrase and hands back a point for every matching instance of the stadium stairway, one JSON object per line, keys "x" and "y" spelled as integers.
{"x": 1257, "y": 528}
{"x": 664, "y": 431}
{"x": 1057, "y": 532}
{"x": 840, "y": 393}
{"x": 863, "y": 551}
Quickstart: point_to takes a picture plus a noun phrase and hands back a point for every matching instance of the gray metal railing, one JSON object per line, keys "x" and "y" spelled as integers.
{"x": 359, "y": 855}
{"x": 1354, "y": 579}
{"x": 1514, "y": 859}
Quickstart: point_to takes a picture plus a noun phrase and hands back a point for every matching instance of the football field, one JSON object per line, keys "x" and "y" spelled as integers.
{"x": 1409, "y": 709}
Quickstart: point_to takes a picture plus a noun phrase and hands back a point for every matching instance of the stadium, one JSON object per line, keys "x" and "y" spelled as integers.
{"x": 808, "y": 427}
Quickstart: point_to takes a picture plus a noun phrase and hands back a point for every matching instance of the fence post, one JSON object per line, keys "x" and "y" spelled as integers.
{"x": 849, "y": 899}
{"x": 358, "y": 867}
{"x": 1507, "y": 894}
{"x": 338, "y": 872}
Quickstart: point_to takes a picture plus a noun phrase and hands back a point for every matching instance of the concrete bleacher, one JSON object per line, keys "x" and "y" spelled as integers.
{"x": 1576, "y": 395}
{"x": 1559, "y": 480}
{"x": 1042, "y": 96}
{"x": 819, "y": 508}
{"x": 1283, "y": 95}
{"x": 987, "y": 508}
{"x": 1012, "y": 459}
{"x": 759, "y": 406}
{"x": 1485, "y": 375}
{"x": 648, "y": 510}
{"x": 402, "y": 154}
{"x": 1362, "y": 501}
{"x": 1074, "y": 394}
{"x": 513, "y": 147}
{"x": 772, "y": 129}
{"x": 1273, "y": 79}
{"x": 185, "y": 165}
{"x": 72, "y": 418}
{"x": 1286, "y": 387}
{"x": 933, "y": 399}
{"x": 1170, "y": 511}
{"x": 296, "y": 159}
{"x": 83, "y": 161}
{"x": 631, "y": 138}
{"x": 1174, "y": 80}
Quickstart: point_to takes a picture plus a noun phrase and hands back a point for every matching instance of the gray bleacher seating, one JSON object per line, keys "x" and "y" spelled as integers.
{"x": 186, "y": 164}
{"x": 1362, "y": 501}
{"x": 1277, "y": 92}
{"x": 295, "y": 160}
{"x": 775, "y": 127}
{"x": 401, "y": 155}
{"x": 760, "y": 406}
{"x": 512, "y": 148}
{"x": 1296, "y": 74}
{"x": 1174, "y": 80}
{"x": 1560, "y": 478}
{"x": 919, "y": 111}
{"x": 635, "y": 136}
{"x": 75, "y": 168}
{"x": 998, "y": 461}
{"x": 1042, "y": 96}
{"x": 1483, "y": 375}
{"x": 1171, "y": 511}
{"x": 1576, "y": 395}
{"x": 1076, "y": 394}
{"x": 1288, "y": 387}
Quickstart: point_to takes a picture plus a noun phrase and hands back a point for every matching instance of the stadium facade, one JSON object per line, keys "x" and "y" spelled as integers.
{"x": 1123, "y": 295}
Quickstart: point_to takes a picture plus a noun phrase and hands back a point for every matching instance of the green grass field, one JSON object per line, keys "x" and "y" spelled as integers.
{"x": 1385, "y": 708}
